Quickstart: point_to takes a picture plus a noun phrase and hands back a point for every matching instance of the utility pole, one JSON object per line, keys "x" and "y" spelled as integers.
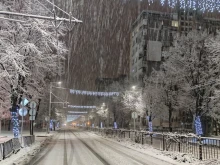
{"x": 48, "y": 127}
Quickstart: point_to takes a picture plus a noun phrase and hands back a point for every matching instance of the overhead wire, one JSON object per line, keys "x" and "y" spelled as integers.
{"x": 61, "y": 10}
{"x": 44, "y": 6}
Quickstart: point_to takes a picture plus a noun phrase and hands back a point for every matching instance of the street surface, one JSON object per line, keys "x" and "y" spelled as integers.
{"x": 74, "y": 147}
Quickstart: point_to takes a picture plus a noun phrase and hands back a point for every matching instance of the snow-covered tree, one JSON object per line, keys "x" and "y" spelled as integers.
{"x": 29, "y": 53}
{"x": 121, "y": 113}
{"x": 133, "y": 101}
{"x": 161, "y": 94}
{"x": 155, "y": 107}
{"x": 195, "y": 59}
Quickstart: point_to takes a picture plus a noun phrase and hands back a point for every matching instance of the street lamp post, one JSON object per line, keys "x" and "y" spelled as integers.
{"x": 48, "y": 127}
{"x": 106, "y": 115}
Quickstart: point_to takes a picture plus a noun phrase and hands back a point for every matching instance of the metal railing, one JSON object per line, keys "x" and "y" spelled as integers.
{"x": 200, "y": 147}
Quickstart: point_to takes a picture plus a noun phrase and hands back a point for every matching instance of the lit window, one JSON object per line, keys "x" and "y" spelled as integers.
{"x": 175, "y": 23}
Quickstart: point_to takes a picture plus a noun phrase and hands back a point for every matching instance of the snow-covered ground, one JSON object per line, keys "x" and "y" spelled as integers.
{"x": 26, "y": 154}
{"x": 73, "y": 147}
{"x": 180, "y": 158}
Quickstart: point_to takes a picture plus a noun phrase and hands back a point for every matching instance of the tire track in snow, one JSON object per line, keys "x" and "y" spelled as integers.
{"x": 43, "y": 153}
{"x": 72, "y": 150}
{"x": 123, "y": 153}
{"x": 115, "y": 157}
{"x": 120, "y": 152}
{"x": 65, "y": 151}
{"x": 92, "y": 150}
{"x": 108, "y": 143}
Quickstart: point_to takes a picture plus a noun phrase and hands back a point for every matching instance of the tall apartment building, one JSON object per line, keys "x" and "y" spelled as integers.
{"x": 153, "y": 32}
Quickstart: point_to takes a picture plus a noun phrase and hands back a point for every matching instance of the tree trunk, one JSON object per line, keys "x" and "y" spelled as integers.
{"x": 4, "y": 124}
{"x": 170, "y": 119}
{"x": 38, "y": 107}
{"x": 9, "y": 125}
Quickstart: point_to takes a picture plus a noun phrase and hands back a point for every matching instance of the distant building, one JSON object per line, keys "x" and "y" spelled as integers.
{"x": 153, "y": 32}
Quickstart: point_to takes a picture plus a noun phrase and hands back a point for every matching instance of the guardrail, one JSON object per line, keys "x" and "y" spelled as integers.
{"x": 11, "y": 146}
{"x": 1, "y": 151}
{"x": 200, "y": 147}
{"x": 7, "y": 148}
{"x": 16, "y": 145}
{"x": 28, "y": 140}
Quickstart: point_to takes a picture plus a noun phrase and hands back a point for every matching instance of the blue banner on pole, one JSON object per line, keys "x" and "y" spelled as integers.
{"x": 101, "y": 125}
{"x": 150, "y": 126}
{"x": 198, "y": 126}
{"x": 115, "y": 125}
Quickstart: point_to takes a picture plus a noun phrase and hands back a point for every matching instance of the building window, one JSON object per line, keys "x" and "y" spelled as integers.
{"x": 175, "y": 23}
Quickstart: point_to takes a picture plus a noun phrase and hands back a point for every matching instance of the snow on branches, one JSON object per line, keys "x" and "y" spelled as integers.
{"x": 199, "y": 69}
{"x": 29, "y": 55}
{"x": 133, "y": 100}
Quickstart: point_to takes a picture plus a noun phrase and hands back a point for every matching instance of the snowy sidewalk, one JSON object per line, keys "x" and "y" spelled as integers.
{"x": 25, "y": 154}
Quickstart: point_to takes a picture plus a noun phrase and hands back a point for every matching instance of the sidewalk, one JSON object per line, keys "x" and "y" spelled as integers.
{"x": 9, "y": 134}
{"x": 25, "y": 154}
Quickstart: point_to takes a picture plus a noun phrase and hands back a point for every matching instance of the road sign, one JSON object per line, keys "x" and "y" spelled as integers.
{"x": 134, "y": 115}
{"x": 24, "y": 102}
{"x": 33, "y": 104}
{"x": 23, "y": 111}
{"x": 31, "y": 117}
{"x": 32, "y": 112}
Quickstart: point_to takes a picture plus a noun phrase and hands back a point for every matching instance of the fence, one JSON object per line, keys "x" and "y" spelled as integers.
{"x": 200, "y": 147}
{"x": 13, "y": 145}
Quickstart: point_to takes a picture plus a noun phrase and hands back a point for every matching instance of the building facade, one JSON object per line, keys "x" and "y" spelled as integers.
{"x": 153, "y": 32}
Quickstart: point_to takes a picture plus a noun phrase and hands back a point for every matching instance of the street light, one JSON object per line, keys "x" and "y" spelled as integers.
{"x": 133, "y": 87}
{"x": 48, "y": 128}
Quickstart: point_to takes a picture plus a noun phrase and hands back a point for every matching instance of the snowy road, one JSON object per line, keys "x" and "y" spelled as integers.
{"x": 72, "y": 147}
